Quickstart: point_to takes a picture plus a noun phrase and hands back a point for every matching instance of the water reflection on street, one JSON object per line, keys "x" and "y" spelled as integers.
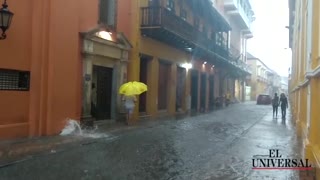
{"x": 218, "y": 145}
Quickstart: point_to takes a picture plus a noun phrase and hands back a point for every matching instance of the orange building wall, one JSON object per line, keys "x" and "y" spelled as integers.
{"x": 15, "y": 54}
{"x": 124, "y": 17}
{"x": 44, "y": 38}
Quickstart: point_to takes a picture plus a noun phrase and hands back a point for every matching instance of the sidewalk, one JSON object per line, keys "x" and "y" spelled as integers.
{"x": 13, "y": 151}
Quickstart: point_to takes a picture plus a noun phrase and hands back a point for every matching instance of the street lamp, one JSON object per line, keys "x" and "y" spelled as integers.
{"x": 5, "y": 19}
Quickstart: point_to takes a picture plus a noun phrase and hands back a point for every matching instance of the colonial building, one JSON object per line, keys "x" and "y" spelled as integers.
{"x": 240, "y": 16}
{"x": 180, "y": 50}
{"x": 284, "y": 85}
{"x": 263, "y": 80}
{"x": 304, "y": 83}
{"x": 50, "y": 59}
{"x": 59, "y": 63}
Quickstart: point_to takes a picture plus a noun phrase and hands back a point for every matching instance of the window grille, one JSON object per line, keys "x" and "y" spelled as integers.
{"x": 14, "y": 80}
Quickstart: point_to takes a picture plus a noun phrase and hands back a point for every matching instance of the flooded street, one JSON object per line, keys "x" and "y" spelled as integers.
{"x": 218, "y": 145}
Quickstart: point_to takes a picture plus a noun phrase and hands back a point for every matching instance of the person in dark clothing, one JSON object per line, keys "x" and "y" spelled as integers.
{"x": 283, "y": 104}
{"x": 275, "y": 104}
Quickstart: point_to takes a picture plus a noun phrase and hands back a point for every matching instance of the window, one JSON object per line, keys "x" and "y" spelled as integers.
{"x": 183, "y": 14}
{"x": 14, "y": 80}
{"x": 170, "y": 5}
{"x": 219, "y": 38}
{"x": 224, "y": 39}
{"x": 107, "y": 13}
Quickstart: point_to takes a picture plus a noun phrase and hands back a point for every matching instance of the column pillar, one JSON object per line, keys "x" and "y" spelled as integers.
{"x": 38, "y": 107}
{"x": 134, "y": 55}
{"x": 152, "y": 80}
{"x": 207, "y": 93}
{"x": 172, "y": 85}
{"x": 86, "y": 91}
{"x": 123, "y": 76}
{"x": 315, "y": 115}
{"x": 243, "y": 94}
{"x": 199, "y": 91}
{"x": 315, "y": 33}
{"x": 187, "y": 92}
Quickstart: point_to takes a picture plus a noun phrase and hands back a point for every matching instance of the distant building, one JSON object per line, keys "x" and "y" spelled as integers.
{"x": 284, "y": 85}
{"x": 240, "y": 15}
{"x": 263, "y": 80}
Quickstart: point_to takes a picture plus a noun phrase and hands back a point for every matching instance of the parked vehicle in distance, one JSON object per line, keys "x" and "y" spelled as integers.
{"x": 264, "y": 99}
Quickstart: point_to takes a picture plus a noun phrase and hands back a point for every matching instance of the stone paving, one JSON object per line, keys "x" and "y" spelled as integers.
{"x": 218, "y": 145}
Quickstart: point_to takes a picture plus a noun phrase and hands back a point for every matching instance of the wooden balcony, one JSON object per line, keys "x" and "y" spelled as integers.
{"x": 164, "y": 25}
{"x": 237, "y": 57}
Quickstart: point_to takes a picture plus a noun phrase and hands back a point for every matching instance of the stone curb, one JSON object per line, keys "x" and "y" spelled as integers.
{"x": 21, "y": 151}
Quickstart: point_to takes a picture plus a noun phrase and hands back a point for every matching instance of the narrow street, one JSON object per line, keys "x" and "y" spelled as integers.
{"x": 218, "y": 145}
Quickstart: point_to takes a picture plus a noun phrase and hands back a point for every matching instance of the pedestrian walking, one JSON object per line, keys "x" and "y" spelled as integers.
{"x": 129, "y": 103}
{"x": 275, "y": 104}
{"x": 283, "y": 105}
{"x": 129, "y": 91}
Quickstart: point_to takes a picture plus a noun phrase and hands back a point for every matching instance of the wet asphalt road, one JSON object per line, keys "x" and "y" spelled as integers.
{"x": 219, "y": 145}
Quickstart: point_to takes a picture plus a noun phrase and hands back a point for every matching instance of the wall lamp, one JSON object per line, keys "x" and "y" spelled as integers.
{"x": 187, "y": 65}
{"x": 5, "y": 19}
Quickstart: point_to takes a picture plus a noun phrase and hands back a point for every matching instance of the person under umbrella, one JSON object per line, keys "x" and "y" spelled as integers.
{"x": 129, "y": 91}
{"x": 129, "y": 104}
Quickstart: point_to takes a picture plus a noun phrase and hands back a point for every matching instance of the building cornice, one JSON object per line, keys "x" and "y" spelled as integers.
{"x": 314, "y": 73}
{"x": 309, "y": 75}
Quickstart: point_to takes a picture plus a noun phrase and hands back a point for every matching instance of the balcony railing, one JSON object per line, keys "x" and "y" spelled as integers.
{"x": 238, "y": 59}
{"x": 241, "y": 8}
{"x": 155, "y": 18}
{"x": 246, "y": 8}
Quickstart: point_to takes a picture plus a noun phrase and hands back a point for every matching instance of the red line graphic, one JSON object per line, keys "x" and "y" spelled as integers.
{"x": 282, "y": 168}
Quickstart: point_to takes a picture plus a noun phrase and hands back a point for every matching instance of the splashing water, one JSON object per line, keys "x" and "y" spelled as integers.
{"x": 73, "y": 128}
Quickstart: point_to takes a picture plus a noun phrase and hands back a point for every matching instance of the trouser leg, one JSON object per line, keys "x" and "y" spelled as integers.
{"x": 283, "y": 111}
{"x": 273, "y": 110}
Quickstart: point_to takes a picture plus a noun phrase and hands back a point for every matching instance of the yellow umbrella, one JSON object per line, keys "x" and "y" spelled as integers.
{"x": 133, "y": 88}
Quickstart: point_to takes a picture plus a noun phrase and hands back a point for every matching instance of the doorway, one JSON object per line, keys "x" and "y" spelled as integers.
{"x": 181, "y": 80}
{"x": 194, "y": 89}
{"x": 164, "y": 75}
{"x": 203, "y": 92}
{"x": 211, "y": 92}
{"x": 101, "y": 92}
{"x": 144, "y": 61}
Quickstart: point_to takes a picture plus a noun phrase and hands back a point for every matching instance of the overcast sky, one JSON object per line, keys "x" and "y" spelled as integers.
{"x": 270, "y": 35}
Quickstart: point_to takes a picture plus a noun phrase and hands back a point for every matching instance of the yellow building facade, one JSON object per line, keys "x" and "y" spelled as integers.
{"x": 304, "y": 82}
{"x": 180, "y": 50}
{"x": 259, "y": 80}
